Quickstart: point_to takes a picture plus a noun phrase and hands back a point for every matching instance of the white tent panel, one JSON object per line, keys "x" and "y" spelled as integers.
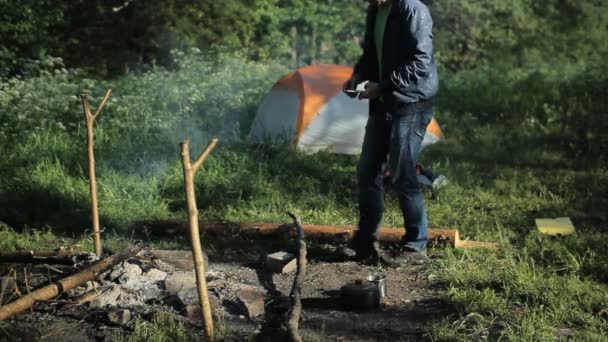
{"x": 429, "y": 139}
{"x": 338, "y": 128}
{"x": 277, "y": 116}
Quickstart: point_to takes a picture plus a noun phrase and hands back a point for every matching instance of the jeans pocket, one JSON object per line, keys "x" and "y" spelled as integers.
{"x": 423, "y": 119}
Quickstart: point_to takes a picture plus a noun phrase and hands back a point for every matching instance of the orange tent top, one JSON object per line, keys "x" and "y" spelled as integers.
{"x": 316, "y": 85}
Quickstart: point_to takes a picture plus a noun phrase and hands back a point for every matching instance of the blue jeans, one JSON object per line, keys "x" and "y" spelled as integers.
{"x": 397, "y": 138}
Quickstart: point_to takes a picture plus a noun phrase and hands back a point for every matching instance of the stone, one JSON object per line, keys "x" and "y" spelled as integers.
{"x": 91, "y": 285}
{"x": 188, "y": 296}
{"x": 183, "y": 285}
{"x": 193, "y": 311}
{"x": 155, "y": 275}
{"x": 214, "y": 275}
{"x": 281, "y": 262}
{"x": 108, "y": 298}
{"x": 180, "y": 281}
{"x": 125, "y": 272}
{"x": 250, "y": 302}
{"x": 119, "y": 317}
{"x": 181, "y": 260}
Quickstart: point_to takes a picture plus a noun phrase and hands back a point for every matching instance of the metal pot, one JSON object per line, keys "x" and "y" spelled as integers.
{"x": 360, "y": 296}
{"x": 379, "y": 280}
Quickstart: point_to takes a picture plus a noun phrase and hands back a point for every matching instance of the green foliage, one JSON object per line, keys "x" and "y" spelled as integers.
{"x": 137, "y": 135}
{"x": 509, "y": 296}
{"x": 163, "y": 328}
{"x": 39, "y": 240}
{"x": 519, "y": 33}
{"x": 27, "y": 32}
{"x": 537, "y": 106}
{"x": 112, "y": 37}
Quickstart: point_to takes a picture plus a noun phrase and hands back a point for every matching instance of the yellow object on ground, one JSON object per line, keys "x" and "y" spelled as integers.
{"x": 556, "y": 226}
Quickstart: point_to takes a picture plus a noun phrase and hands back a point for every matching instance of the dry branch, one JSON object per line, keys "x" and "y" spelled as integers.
{"x": 54, "y": 289}
{"x": 296, "y": 291}
{"x": 197, "y": 251}
{"x": 39, "y": 258}
{"x": 82, "y": 299}
{"x": 90, "y": 119}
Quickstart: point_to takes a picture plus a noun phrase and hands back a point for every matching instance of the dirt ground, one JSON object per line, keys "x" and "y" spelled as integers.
{"x": 144, "y": 288}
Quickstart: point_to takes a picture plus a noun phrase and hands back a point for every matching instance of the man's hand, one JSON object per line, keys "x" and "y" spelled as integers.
{"x": 372, "y": 91}
{"x": 350, "y": 84}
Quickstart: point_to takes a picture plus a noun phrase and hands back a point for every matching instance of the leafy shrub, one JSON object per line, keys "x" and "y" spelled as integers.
{"x": 539, "y": 106}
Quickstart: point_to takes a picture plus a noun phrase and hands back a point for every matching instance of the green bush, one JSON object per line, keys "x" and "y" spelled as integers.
{"x": 561, "y": 110}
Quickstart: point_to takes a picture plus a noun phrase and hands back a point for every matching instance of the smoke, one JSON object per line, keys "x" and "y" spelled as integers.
{"x": 208, "y": 95}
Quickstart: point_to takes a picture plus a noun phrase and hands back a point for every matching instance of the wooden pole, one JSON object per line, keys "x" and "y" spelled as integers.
{"x": 195, "y": 238}
{"x": 293, "y": 322}
{"x": 90, "y": 119}
{"x": 65, "y": 284}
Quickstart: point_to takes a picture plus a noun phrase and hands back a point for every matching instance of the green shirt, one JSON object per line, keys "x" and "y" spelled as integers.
{"x": 380, "y": 27}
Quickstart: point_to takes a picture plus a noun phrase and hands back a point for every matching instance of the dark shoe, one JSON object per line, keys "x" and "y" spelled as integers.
{"x": 404, "y": 256}
{"x": 364, "y": 247}
{"x": 366, "y": 256}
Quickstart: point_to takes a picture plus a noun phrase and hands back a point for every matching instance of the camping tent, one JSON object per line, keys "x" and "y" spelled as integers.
{"x": 308, "y": 107}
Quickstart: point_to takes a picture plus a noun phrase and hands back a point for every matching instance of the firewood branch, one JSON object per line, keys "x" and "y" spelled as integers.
{"x": 90, "y": 118}
{"x": 103, "y": 102}
{"x": 65, "y": 284}
{"x": 87, "y": 107}
{"x": 195, "y": 238}
{"x": 204, "y": 154}
{"x": 296, "y": 291}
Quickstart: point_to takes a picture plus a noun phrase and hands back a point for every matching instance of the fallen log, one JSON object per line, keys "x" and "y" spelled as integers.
{"x": 32, "y": 257}
{"x": 449, "y": 237}
{"x": 53, "y": 290}
{"x": 293, "y": 322}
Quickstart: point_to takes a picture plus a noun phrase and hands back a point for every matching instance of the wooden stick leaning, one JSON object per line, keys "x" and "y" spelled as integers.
{"x": 197, "y": 251}
{"x": 295, "y": 312}
{"x": 90, "y": 119}
{"x": 54, "y": 289}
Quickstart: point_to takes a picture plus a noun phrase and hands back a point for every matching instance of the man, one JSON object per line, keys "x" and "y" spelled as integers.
{"x": 398, "y": 63}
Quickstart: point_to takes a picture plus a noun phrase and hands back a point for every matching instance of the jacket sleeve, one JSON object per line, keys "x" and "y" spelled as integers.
{"x": 417, "y": 25}
{"x": 362, "y": 69}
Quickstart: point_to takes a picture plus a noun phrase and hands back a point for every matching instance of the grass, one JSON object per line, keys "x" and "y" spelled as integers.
{"x": 502, "y": 176}
{"x": 162, "y": 328}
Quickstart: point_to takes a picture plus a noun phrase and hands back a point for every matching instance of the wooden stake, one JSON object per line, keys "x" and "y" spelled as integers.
{"x": 195, "y": 238}
{"x": 295, "y": 312}
{"x": 90, "y": 119}
{"x": 65, "y": 284}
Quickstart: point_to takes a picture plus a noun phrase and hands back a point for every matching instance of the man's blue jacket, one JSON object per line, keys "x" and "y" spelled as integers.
{"x": 409, "y": 72}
